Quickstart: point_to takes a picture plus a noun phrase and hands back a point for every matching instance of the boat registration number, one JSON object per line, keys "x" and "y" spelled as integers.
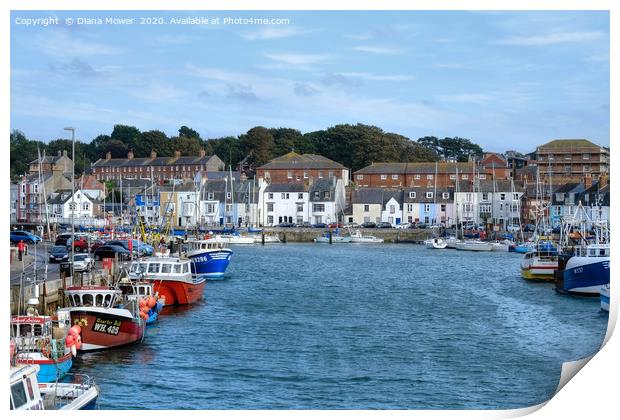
{"x": 107, "y": 326}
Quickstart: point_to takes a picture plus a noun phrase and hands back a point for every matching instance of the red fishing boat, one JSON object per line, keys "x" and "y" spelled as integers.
{"x": 171, "y": 278}
{"x": 106, "y": 319}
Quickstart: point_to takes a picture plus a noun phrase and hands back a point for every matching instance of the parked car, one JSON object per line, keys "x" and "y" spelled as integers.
{"x": 285, "y": 225}
{"x": 22, "y": 235}
{"x": 81, "y": 244}
{"x": 529, "y": 228}
{"x": 369, "y": 225}
{"x": 319, "y": 225}
{"x": 303, "y": 225}
{"x": 403, "y": 226}
{"x": 96, "y": 244}
{"x": 513, "y": 228}
{"x": 384, "y": 225}
{"x": 334, "y": 225}
{"x": 111, "y": 251}
{"x": 83, "y": 262}
{"x": 58, "y": 253}
{"x": 136, "y": 249}
{"x": 352, "y": 225}
{"x": 62, "y": 239}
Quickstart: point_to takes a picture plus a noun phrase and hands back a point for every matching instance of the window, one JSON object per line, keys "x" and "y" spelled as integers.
{"x": 515, "y": 196}
{"x": 550, "y": 157}
{"x": 228, "y": 208}
{"x": 153, "y": 268}
{"x": 394, "y": 176}
{"x": 453, "y": 177}
{"x": 327, "y": 195}
{"x": 416, "y": 176}
{"x": 485, "y": 208}
{"x": 392, "y": 209}
{"x": 429, "y": 194}
{"x": 289, "y": 174}
{"x": 318, "y": 207}
{"x": 429, "y": 176}
{"x": 300, "y": 196}
{"x": 360, "y": 177}
{"x": 443, "y": 207}
{"x": 270, "y": 196}
{"x": 567, "y": 169}
{"x": 269, "y": 206}
{"x": 297, "y": 178}
{"x": 464, "y": 177}
{"x": 586, "y": 156}
{"x": 427, "y": 208}
{"x": 18, "y": 394}
{"x": 502, "y": 196}
{"x": 210, "y": 208}
{"x": 485, "y": 196}
{"x": 305, "y": 174}
{"x": 300, "y": 207}
{"x": 285, "y": 196}
{"x": 366, "y": 207}
{"x": 228, "y": 195}
{"x": 483, "y": 176}
{"x": 409, "y": 207}
{"x": 186, "y": 268}
{"x": 330, "y": 174}
{"x": 86, "y": 206}
{"x": 411, "y": 194}
{"x": 210, "y": 196}
{"x": 445, "y": 196}
{"x": 270, "y": 220}
{"x": 321, "y": 174}
{"x": 383, "y": 177}
{"x": 567, "y": 157}
{"x": 266, "y": 174}
{"x": 587, "y": 168}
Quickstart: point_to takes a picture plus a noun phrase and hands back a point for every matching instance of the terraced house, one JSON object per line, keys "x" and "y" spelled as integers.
{"x": 414, "y": 174}
{"x": 156, "y": 168}
{"x": 572, "y": 160}
{"x": 293, "y": 167}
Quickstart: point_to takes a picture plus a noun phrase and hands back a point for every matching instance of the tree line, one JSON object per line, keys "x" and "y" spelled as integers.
{"x": 354, "y": 146}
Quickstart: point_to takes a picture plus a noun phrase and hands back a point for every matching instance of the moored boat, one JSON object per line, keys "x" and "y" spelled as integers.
{"x": 358, "y": 238}
{"x": 35, "y": 343}
{"x": 585, "y": 272}
{"x": 540, "y": 263}
{"x": 106, "y": 319}
{"x": 209, "y": 257}
{"x": 503, "y": 246}
{"x": 27, "y": 393}
{"x": 436, "y": 243}
{"x": 474, "y": 245}
{"x": 171, "y": 278}
{"x": 335, "y": 239}
{"x": 605, "y": 297}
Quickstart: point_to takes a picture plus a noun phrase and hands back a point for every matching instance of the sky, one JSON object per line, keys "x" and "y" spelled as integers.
{"x": 505, "y": 80}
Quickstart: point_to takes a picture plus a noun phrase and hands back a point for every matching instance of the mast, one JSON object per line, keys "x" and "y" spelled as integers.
{"x": 434, "y": 198}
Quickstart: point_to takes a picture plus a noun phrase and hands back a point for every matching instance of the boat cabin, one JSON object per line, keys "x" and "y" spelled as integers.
{"x": 29, "y": 331}
{"x": 203, "y": 245}
{"x": 98, "y": 296}
{"x": 25, "y": 394}
{"x": 594, "y": 250}
{"x": 160, "y": 268}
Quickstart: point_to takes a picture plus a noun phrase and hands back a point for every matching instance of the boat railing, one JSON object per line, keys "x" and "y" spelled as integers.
{"x": 82, "y": 383}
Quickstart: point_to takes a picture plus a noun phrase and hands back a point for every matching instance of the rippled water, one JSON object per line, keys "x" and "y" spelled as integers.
{"x": 313, "y": 326}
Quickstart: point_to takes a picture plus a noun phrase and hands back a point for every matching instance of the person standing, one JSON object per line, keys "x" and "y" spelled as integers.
{"x": 20, "y": 249}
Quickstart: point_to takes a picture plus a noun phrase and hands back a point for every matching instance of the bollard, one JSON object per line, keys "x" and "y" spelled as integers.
{"x": 330, "y": 237}
{"x": 284, "y": 238}
{"x": 262, "y": 237}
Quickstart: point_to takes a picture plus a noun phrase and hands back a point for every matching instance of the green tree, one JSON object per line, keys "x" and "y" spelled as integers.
{"x": 188, "y": 146}
{"x": 459, "y": 148}
{"x": 185, "y": 131}
{"x": 22, "y": 152}
{"x": 226, "y": 148}
{"x": 154, "y": 140}
{"x": 258, "y": 144}
{"x": 117, "y": 148}
{"x": 128, "y": 134}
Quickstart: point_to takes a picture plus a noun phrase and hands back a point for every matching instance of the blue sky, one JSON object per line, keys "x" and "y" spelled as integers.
{"x": 505, "y": 80}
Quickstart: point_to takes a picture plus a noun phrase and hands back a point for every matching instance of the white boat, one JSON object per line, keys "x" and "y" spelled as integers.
{"x": 605, "y": 297}
{"x": 451, "y": 242}
{"x": 358, "y": 238}
{"x": 541, "y": 263}
{"x": 236, "y": 239}
{"x": 436, "y": 243}
{"x": 502, "y": 245}
{"x": 335, "y": 239}
{"x": 28, "y": 394}
{"x": 474, "y": 245}
{"x": 269, "y": 239}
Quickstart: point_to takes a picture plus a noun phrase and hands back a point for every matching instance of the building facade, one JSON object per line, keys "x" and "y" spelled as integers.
{"x": 294, "y": 168}
{"x": 572, "y": 160}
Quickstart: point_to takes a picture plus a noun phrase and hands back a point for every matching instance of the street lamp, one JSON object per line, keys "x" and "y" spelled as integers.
{"x": 72, "y": 198}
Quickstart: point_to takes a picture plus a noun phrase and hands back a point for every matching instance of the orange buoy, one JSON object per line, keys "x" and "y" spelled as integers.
{"x": 152, "y": 302}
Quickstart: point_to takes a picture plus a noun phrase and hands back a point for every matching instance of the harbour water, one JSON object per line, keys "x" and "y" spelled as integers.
{"x": 310, "y": 326}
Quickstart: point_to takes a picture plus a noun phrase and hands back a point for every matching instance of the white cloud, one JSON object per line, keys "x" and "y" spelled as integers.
{"x": 272, "y": 32}
{"x": 551, "y": 39}
{"x": 377, "y": 49}
{"x": 62, "y": 45}
{"x": 294, "y": 59}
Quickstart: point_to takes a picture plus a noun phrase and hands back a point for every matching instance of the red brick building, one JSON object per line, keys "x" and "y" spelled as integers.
{"x": 293, "y": 167}
{"x": 157, "y": 168}
{"x": 572, "y": 160}
{"x": 415, "y": 174}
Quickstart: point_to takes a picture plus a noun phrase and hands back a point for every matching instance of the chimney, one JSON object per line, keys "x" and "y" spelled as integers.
{"x": 130, "y": 154}
{"x": 59, "y": 153}
{"x": 64, "y": 153}
{"x": 153, "y": 154}
{"x": 177, "y": 154}
{"x": 202, "y": 153}
{"x": 108, "y": 156}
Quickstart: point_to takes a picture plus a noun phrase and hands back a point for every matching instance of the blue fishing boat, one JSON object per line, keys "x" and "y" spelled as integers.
{"x": 35, "y": 345}
{"x": 605, "y": 298}
{"x": 585, "y": 272}
{"x": 209, "y": 258}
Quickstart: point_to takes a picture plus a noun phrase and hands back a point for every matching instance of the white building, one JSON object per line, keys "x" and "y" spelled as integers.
{"x": 61, "y": 206}
{"x": 327, "y": 199}
{"x": 493, "y": 203}
{"x": 286, "y": 203}
{"x": 377, "y": 205}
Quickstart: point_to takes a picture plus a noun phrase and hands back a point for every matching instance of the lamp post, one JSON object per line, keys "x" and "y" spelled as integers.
{"x": 72, "y": 198}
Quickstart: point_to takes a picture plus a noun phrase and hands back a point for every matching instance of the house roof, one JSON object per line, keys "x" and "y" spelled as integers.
{"x": 567, "y": 145}
{"x": 289, "y": 187}
{"x": 157, "y": 161}
{"x": 322, "y": 186}
{"x": 487, "y": 185}
{"x": 416, "y": 168}
{"x": 48, "y": 159}
{"x": 376, "y": 195}
{"x": 294, "y": 160}
{"x": 420, "y": 195}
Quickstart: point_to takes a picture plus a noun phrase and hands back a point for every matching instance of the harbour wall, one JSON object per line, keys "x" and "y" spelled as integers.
{"x": 388, "y": 235}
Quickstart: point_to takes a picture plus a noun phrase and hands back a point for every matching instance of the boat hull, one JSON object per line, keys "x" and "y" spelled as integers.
{"x": 179, "y": 292}
{"x": 102, "y": 330}
{"x": 436, "y": 244}
{"x": 335, "y": 239}
{"x": 49, "y": 369}
{"x": 478, "y": 246}
{"x": 210, "y": 264}
{"x": 584, "y": 276}
{"x": 605, "y": 298}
